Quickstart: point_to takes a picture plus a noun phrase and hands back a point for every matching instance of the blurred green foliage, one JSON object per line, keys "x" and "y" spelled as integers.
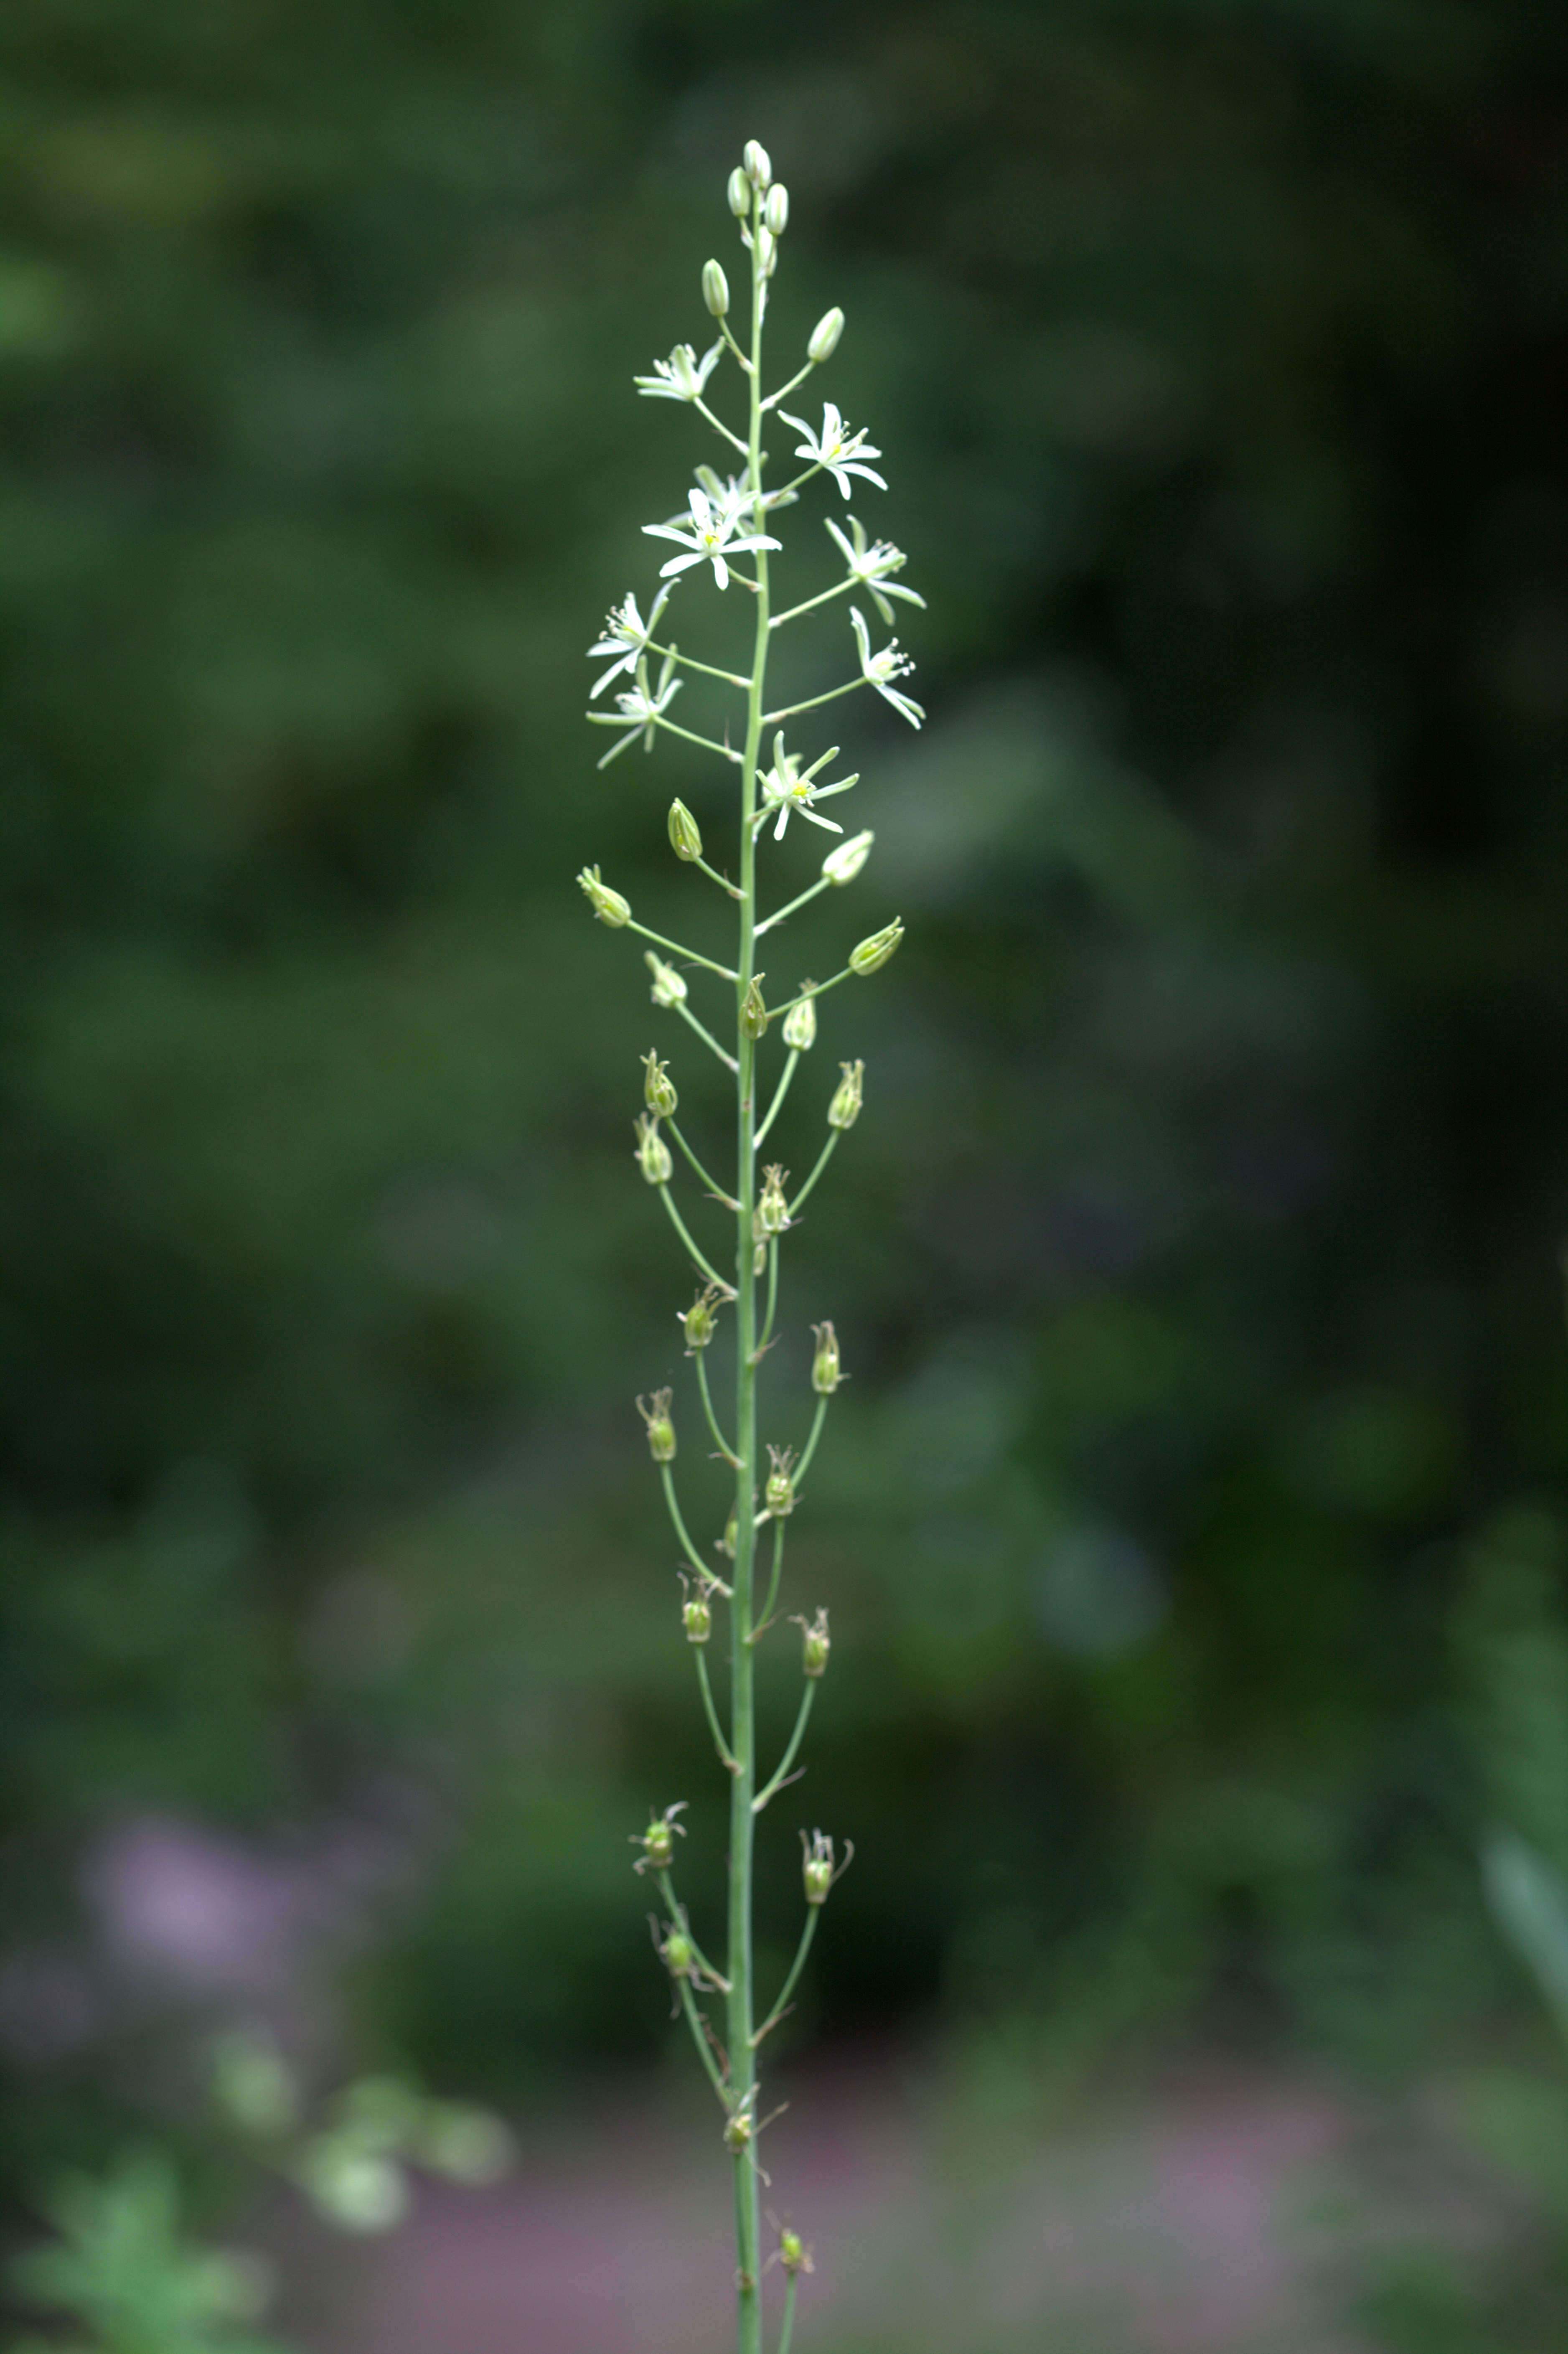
{"x": 1193, "y": 1257}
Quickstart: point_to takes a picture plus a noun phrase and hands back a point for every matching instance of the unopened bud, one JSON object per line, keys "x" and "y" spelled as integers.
{"x": 669, "y": 989}
{"x": 607, "y": 904}
{"x": 815, "y": 1644}
{"x": 772, "y": 1215}
{"x": 757, "y": 163}
{"x": 819, "y": 1869}
{"x": 800, "y": 1021}
{"x": 778, "y": 1494}
{"x": 685, "y": 840}
{"x": 658, "y": 1088}
{"x": 716, "y": 288}
{"x": 696, "y": 1615}
{"x": 731, "y": 1527}
{"x": 776, "y": 212}
{"x": 652, "y": 1154}
{"x": 655, "y": 1413}
{"x": 844, "y": 1109}
{"x": 753, "y": 1013}
{"x": 738, "y": 193}
{"x": 825, "y": 336}
{"x": 658, "y": 1841}
{"x": 678, "y": 1954}
{"x": 873, "y": 954}
{"x": 793, "y": 2253}
{"x": 843, "y": 863}
{"x": 767, "y": 251}
{"x": 697, "y": 1321}
{"x": 825, "y": 1374}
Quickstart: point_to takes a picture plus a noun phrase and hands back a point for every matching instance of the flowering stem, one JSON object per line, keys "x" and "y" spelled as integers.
{"x": 784, "y": 390}
{"x": 725, "y": 1449}
{"x": 717, "y": 1191}
{"x": 823, "y": 1159}
{"x": 804, "y": 1947}
{"x": 693, "y": 1556}
{"x": 765, "y": 1621}
{"x": 810, "y": 604}
{"x": 678, "y": 1914}
{"x": 783, "y": 1087}
{"x": 780, "y": 914}
{"x": 700, "y": 2037}
{"x": 675, "y": 949}
{"x": 732, "y": 439}
{"x": 720, "y": 1744}
{"x": 820, "y": 1416}
{"x": 708, "y": 1039}
{"x": 818, "y": 989}
{"x": 807, "y": 1697}
{"x": 772, "y": 1292}
{"x": 673, "y": 728}
{"x": 735, "y": 348}
{"x": 790, "y": 709}
{"x": 731, "y": 889}
{"x": 690, "y": 661}
{"x": 788, "y": 2332}
{"x": 698, "y": 1261}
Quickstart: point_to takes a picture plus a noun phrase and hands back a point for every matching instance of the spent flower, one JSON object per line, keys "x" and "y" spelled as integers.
{"x": 844, "y": 864}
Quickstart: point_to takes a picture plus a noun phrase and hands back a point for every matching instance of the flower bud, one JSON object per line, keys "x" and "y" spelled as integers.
{"x": 776, "y": 212}
{"x": 757, "y": 163}
{"x": 726, "y": 1542}
{"x": 696, "y": 1615}
{"x": 873, "y": 954}
{"x": 678, "y": 1954}
{"x": 607, "y": 904}
{"x": 778, "y": 1493}
{"x": 825, "y": 336}
{"x": 844, "y": 1109}
{"x": 652, "y": 1154}
{"x": 767, "y": 251}
{"x": 793, "y": 2253}
{"x": 658, "y": 1088}
{"x": 772, "y": 1215}
{"x": 800, "y": 1021}
{"x": 843, "y": 863}
{"x": 658, "y": 1841}
{"x": 738, "y": 193}
{"x": 655, "y": 1413}
{"x": 815, "y": 1644}
{"x": 825, "y": 1374}
{"x": 697, "y": 1321}
{"x": 819, "y": 1869}
{"x": 685, "y": 840}
{"x": 753, "y": 1013}
{"x": 668, "y": 988}
{"x": 716, "y": 288}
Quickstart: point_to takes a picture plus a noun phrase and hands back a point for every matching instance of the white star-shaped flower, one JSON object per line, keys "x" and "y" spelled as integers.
{"x": 786, "y": 788}
{"x": 873, "y": 565}
{"x": 626, "y": 636}
{"x": 638, "y": 711}
{"x": 843, "y": 453}
{"x": 880, "y": 670}
{"x": 707, "y": 537}
{"x": 682, "y": 377}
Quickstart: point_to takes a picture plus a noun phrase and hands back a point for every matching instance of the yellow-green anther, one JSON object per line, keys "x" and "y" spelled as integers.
{"x": 815, "y": 1644}
{"x": 825, "y": 336}
{"x": 739, "y": 194}
{"x": 607, "y": 904}
{"x": 757, "y": 163}
{"x": 685, "y": 840}
{"x": 800, "y": 1021}
{"x": 844, "y": 1109}
{"x": 776, "y": 212}
{"x": 772, "y": 1214}
{"x": 753, "y": 1013}
{"x": 873, "y": 954}
{"x": 716, "y": 288}
{"x": 779, "y": 1492}
{"x": 668, "y": 988}
{"x": 825, "y": 1374}
{"x": 655, "y": 1413}
{"x": 844, "y": 864}
{"x": 658, "y": 1090}
{"x": 652, "y": 1154}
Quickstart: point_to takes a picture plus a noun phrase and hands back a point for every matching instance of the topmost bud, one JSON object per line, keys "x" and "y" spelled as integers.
{"x": 757, "y": 163}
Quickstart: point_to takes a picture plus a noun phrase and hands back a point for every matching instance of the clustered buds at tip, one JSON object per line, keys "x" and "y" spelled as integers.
{"x": 825, "y": 1372}
{"x": 757, "y": 163}
{"x": 716, "y": 288}
{"x": 772, "y": 1215}
{"x": 668, "y": 988}
{"x": 843, "y": 863}
{"x": 778, "y": 1494}
{"x": 776, "y": 212}
{"x": 660, "y": 1430}
{"x": 816, "y": 1643}
{"x": 873, "y": 954}
{"x": 697, "y": 1321}
{"x": 658, "y": 1088}
{"x": 652, "y": 1154}
{"x": 607, "y": 904}
{"x": 825, "y": 336}
{"x": 696, "y": 1611}
{"x": 800, "y": 1021}
{"x": 685, "y": 840}
{"x": 844, "y": 1109}
{"x": 658, "y": 1841}
{"x": 819, "y": 1869}
{"x": 753, "y": 1013}
{"x": 738, "y": 193}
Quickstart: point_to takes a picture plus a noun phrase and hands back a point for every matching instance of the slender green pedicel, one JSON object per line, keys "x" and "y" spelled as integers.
{"x": 728, "y": 520}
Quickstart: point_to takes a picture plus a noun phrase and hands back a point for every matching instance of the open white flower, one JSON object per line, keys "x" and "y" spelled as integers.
{"x": 786, "y": 788}
{"x": 873, "y": 564}
{"x": 843, "y": 453}
{"x": 682, "y": 377}
{"x": 626, "y": 636}
{"x": 708, "y": 537}
{"x": 638, "y": 711}
{"x": 880, "y": 670}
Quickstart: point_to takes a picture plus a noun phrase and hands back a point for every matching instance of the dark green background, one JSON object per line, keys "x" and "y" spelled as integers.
{"x": 1194, "y": 1256}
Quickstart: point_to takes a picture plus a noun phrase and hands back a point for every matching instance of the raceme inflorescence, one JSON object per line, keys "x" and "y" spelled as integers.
{"x": 721, "y": 544}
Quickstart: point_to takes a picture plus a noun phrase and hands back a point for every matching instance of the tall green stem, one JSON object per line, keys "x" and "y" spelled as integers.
{"x": 743, "y": 1723}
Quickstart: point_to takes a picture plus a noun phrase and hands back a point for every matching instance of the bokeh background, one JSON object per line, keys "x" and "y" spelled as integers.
{"x": 1193, "y": 1526}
